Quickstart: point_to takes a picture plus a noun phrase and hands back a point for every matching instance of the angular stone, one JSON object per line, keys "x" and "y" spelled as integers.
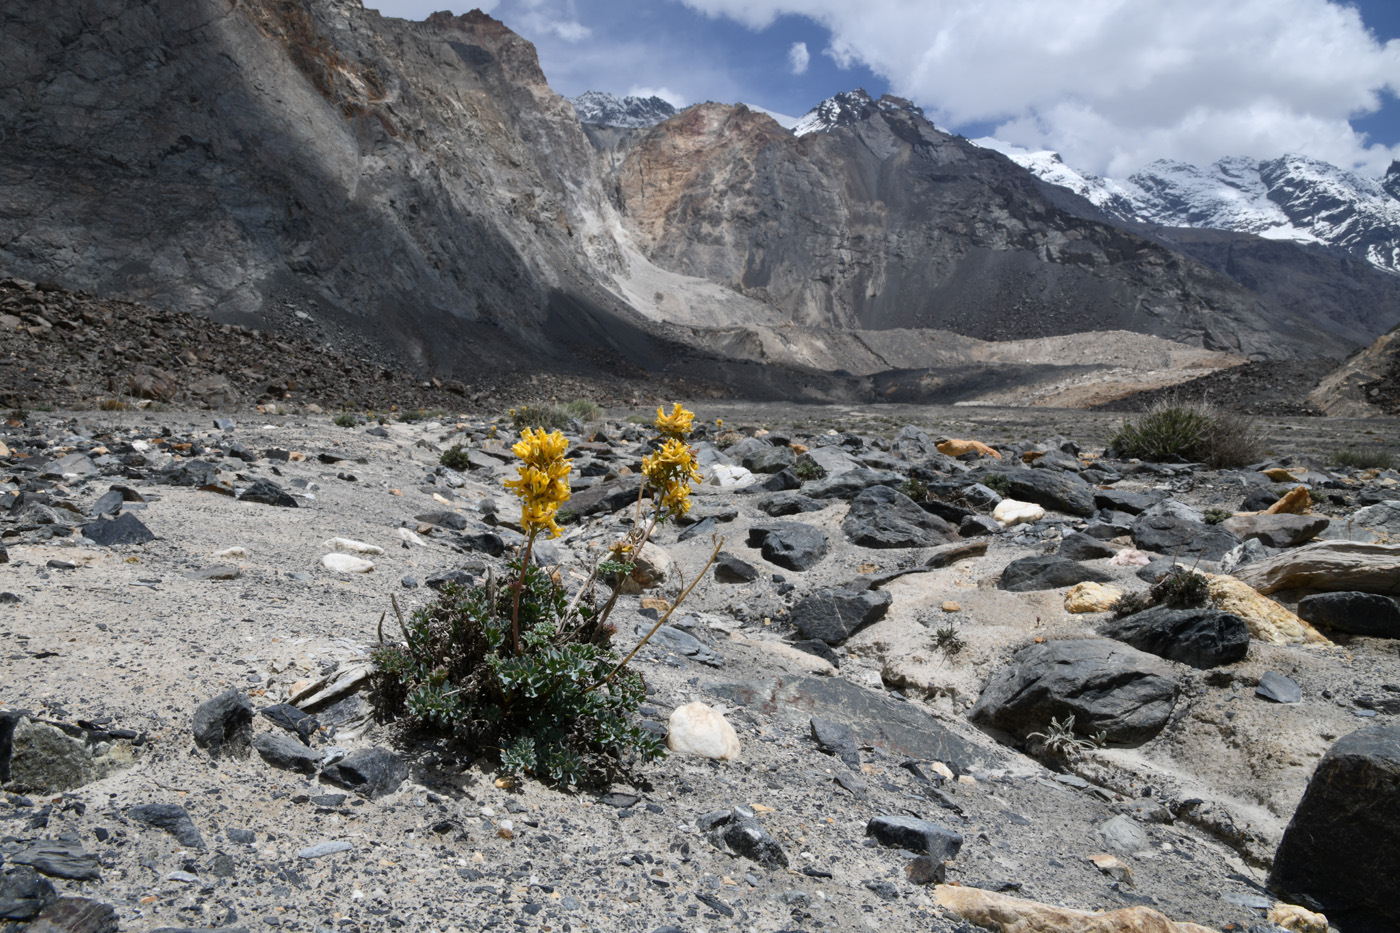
{"x": 172, "y": 818}
{"x": 1368, "y": 614}
{"x": 1342, "y": 847}
{"x": 124, "y": 529}
{"x": 1091, "y": 597}
{"x": 1383, "y": 516}
{"x": 283, "y": 751}
{"x": 1106, "y": 686}
{"x": 75, "y": 915}
{"x": 369, "y": 772}
{"x": 789, "y": 503}
{"x": 1079, "y": 546}
{"x": 834, "y": 615}
{"x": 835, "y": 738}
{"x": 293, "y": 720}
{"x": 1275, "y": 686}
{"x": 444, "y": 519}
{"x": 922, "y": 836}
{"x": 1047, "y": 572}
{"x": 321, "y": 849}
{"x": 1328, "y": 565}
{"x": 847, "y": 485}
{"x": 23, "y": 893}
{"x": 1180, "y": 537}
{"x": 605, "y": 497}
{"x": 1062, "y": 492}
{"x": 60, "y": 858}
{"x": 1202, "y": 638}
{"x": 740, "y": 833}
{"x": 266, "y": 492}
{"x": 224, "y": 725}
{"x": 1277, "y": 530}
{"x": 881, "y": 517}
{"x": 731, "y": 569}
{"x": 770, "y": 459}
{"x": 1123, "y": 500}
{"x": 791, "y": 545}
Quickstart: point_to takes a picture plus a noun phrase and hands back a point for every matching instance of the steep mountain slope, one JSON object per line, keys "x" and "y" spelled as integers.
{"x": 1290, "y": 198}
{"x": 878, "y": 220}
{"x": 599, "y": 108}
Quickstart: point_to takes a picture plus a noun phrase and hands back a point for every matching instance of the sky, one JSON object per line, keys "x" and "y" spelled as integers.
{"x": 1109, "y": 84}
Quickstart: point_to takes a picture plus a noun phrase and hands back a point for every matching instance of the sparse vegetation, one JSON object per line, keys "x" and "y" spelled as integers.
{"x": 948, "y": 640}
{"x": 112, "y": 404}
{"x": 345, "y": 420}
{"x": 1131, "y": 604}
{"x": 915, "y": 489}
{"x": 998, "y": 483}
{"x": 1182, "y": 589}
{"x": 807, "y": 470}
{"x": 414, "y": 415}
{"x": 455, "y": 458}
{"x": 1192, "y": 431}
{"x": 1215, "y": 516}
{"x": 1060, "y": 742}
{"x": 585, "y": 410}
{"x": 1365, "y": 458}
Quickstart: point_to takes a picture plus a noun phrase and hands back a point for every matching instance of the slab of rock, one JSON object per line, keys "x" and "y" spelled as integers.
{"x": 445, "y": 519}
{"x": 1202, "y": 638}
{"x": 1181, "y": 537}
{"x": 731, "y": 569}
{"x": 836, "y": 614}
{"x": 1277, "y": 530}
{"x": 1124, "y": 500}
{"x": 1383, "y": 516}
{"x": 1328, "y": 565}
{"x": 1342, "y": 847}
{"x": 1369, "y": 614}
{"x": 832, "y": 461}
{"x": 1078, "y": 546}
{"x": 23, "y": 893}
{"x": 921, "y": 836}
{"x": 791, "y": 545}
{"x": 1105, "y": 685}
{"x": 847, "y": 485}
{"x": 783, "y": 504}
{"x": 124, "y": 529}
{"x": 1047, "y": 572}
{"x": 1062, "y": 492}
{"x": 283, "y": 751}
{"x": 172, "y": 818}
{"x": 947, "y": 555}
{"x": 881, "y": 517}
{"x": 59, "y": 858}
{"x": 837, "y": 739}
{"x": 224, "y": 725}
{"x": 698, "y": 729}
{"x": 1278, "y": 688}
{"x": 769, "y": 459}
{"x": 605, "y": 497}
{"x": 75, "y": 915}
{"x": 266, "y": 492}
{"x": 1267, "y": 620}
{"x": 1003, "y": 912}
{"x": 369, "y": 772}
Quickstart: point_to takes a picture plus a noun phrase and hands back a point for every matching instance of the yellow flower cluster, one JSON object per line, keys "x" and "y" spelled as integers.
{"x": 670, "y": 471}
{"x": 543, "y": 485}
{"x": 676, "y": 425}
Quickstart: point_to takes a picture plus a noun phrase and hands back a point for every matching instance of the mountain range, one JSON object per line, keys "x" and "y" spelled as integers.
{"x": 416, "y": 193}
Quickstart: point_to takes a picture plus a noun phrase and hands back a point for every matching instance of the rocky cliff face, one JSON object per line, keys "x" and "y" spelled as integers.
{"x": 269, "y": 161}
{"x": 878, "y": 220}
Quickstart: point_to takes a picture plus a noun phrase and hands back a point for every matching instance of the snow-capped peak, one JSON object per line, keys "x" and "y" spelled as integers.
{"x": 603, "y": 109}
{"x": 849, "y": 107}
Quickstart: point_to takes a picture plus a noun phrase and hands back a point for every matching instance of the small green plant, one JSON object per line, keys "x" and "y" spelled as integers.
{"x": 455, "y": 458}
{"x": 522, "y": 668}
{"x": 948, "y": 640}
{"x": 540, "y": 416}
{"x": 998, "y": 483}
{"x": 1060, "y": 742}
{"x": 1365, "y": 458}
{"x": 345, "y": 420}
{"x": 415, "y": 415}
{"x": 915, "y": 489}
{"x": 584, "y": 410}
{"x": 1131, "y": 604}
{"x": 1182, "y": 589}
{"x": 808, "y": 470}
{"x": 1193, "y": 431}
{"x": 1215, "y": 516}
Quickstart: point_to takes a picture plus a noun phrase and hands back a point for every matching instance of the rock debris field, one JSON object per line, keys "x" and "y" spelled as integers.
{"x": 940, "y": 724}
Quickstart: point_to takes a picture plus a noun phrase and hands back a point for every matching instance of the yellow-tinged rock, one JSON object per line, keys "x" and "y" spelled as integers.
{"x": 1293, "y": 917}
{"x": 798, "y": 449}
{"x": 1280, "y": 475}
{"x": 4, "y": 451}
{"x": 1014, "y": 915}
{"x": 1031, "y": 456}
{"x": 1091, "y": 597}
{"x": 1112, "y": 866}
{"x": 1267, "y": 620}
{"x": 956, "y": 448}
{"x": 1294, "y": 502}
{"x": 951, "y": 606}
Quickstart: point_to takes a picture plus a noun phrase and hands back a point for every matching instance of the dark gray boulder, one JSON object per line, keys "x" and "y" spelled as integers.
{"x": 1342, "y": 847}
{"x": 789, "y": 503}
{"x": 731, "y": 569}
{"x": 1047, "y": 572}
{"x": 282, "y": 751}
{"x": 1277, "y": 530}
{"x": 266, "y": 492}
{"x": 1079, "y": 546}
{"x": 172, "y": 818}
{"x": 1123, "y": 500}
{"x": 769, "y": 459}
{"x": 739, "y": 832}
{"x": 1105, "y": 685}
{"x": 1181, "y": 537}
{"x": 922, "y": 836}
{"x": 847, "y": 485}
{"x": 836, "y": 614}
{"x": 224, "y": 725}
{"x": 1370, "y": 614}
{"x": 1202, "y": 638}
{"x": 605, "y": 497}
{"x": 124, "y": 529}
{"x": 369, "y": 772}
{"x": 791, "y": 545}
{"x": 59, "y": 858}
{"x": 1062, "y": 492}
{"x": 881, "y": 517}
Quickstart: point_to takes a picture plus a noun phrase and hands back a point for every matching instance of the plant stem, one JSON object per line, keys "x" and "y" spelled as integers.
{"x": 520, "y": 585}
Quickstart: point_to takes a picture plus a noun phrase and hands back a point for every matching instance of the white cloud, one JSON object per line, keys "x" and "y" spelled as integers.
{"x": 1112, "y": 84}
{"x": 798, "y": 57}
{"x": 669, "y": 96}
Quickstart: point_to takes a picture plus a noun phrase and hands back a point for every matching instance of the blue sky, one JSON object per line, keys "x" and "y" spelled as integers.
{"x": 1111, "y": 84}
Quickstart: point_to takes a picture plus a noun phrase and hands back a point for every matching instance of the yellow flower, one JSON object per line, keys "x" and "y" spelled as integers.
{"x": 670, "y": 472}
{"x": 544, "y": 479}
{"x": 676, "y": 424}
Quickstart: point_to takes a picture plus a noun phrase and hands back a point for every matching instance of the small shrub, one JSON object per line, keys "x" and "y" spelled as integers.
{"x": 915, "y": 489}
{"x": 1060, "y": 742}
{"x": 806, "y": 470}
{"x": 1131, "y": 604}
{"x": 1365, "y": 458}
{"x": 540, "y": 416}
{"x": 1193, "y": 431}
{"x": 584, "y": 410}
{"x": 112, "y": 404}
{"x": 415, "y": 415}
{"x": 998, "y": 483}
{"x": 1215, "y": 516}
{"x": 1182, "y": 589}
{"x": 948, "y": 640}
{"x": 455, "y": 458}
{"x": 345, "y": 420}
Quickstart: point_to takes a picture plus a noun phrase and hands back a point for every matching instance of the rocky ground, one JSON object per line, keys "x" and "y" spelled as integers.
{"x": 861, "y": 645}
